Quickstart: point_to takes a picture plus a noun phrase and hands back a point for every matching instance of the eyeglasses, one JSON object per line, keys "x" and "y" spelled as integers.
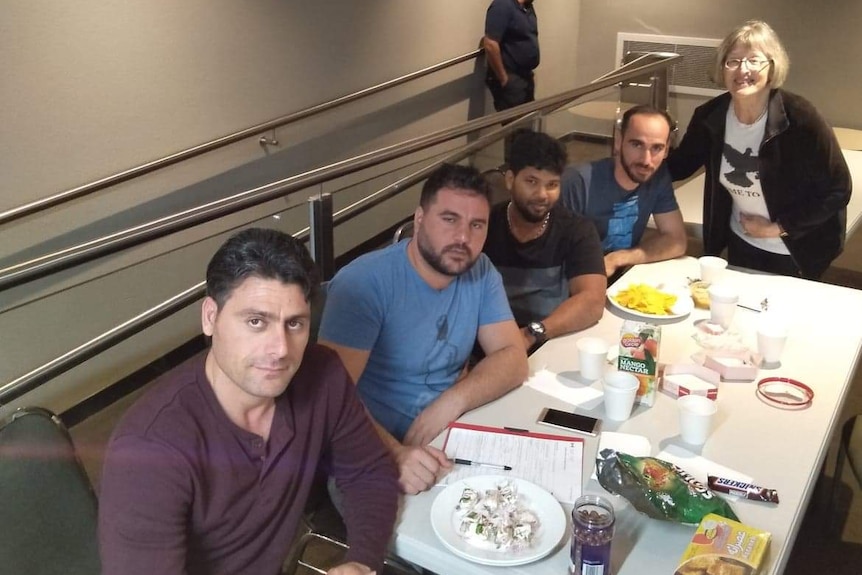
{"x": 755, "y": 64}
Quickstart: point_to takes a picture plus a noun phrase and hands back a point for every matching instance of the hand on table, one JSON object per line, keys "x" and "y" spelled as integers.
{"x": 420, "y": 467}
{"x": 433, "y": 419}
{"x": 352, "y": 568}
{"x": 612, "y": 263}
{"x": 758, "y": 226}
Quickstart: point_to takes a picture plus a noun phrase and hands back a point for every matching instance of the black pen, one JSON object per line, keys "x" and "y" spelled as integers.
{"x": 481, "y": 464}
{"x": 516, "y": 429}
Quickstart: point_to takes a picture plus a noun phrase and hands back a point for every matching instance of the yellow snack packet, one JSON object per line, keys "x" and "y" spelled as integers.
{"x": 722, "y": 546}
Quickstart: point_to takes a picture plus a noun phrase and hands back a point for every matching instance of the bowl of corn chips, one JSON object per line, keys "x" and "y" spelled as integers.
{"x": 650, "y": 301}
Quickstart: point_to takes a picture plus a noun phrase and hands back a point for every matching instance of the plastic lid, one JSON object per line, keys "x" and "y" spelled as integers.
{"x": 784, "y": 393}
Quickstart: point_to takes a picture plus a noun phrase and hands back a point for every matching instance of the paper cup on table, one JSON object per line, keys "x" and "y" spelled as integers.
{"x": 695, "y": 418}
{"x": 592, "y": 357}
{"x": 711, "y": 268}
{"x": 722, "y": 304}
{"x": 620, "y": 390}
{"x": 771, "y": 337}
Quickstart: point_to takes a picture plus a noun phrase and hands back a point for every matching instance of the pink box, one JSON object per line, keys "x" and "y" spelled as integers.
{"x": 733, "y": 366}
{"x": 690, "y": 379}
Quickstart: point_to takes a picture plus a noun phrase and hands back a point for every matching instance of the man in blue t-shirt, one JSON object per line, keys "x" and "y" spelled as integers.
{"x": 620, "y": 194}
{"x": 404, "y": 320}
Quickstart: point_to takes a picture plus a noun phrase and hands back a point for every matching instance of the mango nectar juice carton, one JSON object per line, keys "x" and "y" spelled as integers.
{"x": 639, "y": 348}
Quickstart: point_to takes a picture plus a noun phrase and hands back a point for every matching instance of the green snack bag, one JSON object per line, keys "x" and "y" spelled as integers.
{"x": 659, "y": 489}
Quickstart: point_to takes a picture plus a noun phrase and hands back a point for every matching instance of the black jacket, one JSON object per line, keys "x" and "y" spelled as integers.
{"x": 805, "y": 180}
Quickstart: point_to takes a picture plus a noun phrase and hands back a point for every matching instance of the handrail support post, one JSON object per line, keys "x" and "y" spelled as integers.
{"x": 538, "y": 123}
{"x": 660, "y": 89}
{"x": 322, "y": 236}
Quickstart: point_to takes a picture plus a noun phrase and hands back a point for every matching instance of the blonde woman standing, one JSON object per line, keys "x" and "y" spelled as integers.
{"x": 777, "y": 185}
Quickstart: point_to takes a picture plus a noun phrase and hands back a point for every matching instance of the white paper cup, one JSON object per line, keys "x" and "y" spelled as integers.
{"x": 771, "y": 337}
{"x": 722, "y": 304}
{"x": 711, "y": 268}
{"x": 620, "y": 391}
{"x": 592, "y": 357}
{"x": 695, "y": 418}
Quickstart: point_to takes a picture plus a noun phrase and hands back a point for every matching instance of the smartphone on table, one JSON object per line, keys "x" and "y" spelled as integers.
{"x": 569, "y": 421}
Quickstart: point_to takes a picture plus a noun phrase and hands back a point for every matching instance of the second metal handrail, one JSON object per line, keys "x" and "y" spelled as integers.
{"x": 108, "y": 181}
{"x": 25, "y": 383}
{"x": 29, "y": 381}
{"x": 44, "y": 373}
{"x": 41, "y": 266}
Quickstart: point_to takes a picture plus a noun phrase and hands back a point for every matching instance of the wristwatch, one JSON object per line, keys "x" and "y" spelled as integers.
{"x": 537, "y": 330}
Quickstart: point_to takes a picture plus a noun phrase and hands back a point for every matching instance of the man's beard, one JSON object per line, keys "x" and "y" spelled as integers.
{"x": 436, "y": 261}
{"x": 633, "y": 176}
{"x": 528, "y": 215}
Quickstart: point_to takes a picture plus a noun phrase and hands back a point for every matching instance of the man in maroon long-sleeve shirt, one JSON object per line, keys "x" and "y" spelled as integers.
{"x": 209, "y": 472}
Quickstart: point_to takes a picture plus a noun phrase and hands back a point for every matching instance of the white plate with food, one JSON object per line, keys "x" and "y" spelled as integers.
{"x": 651, "y": 301}
{"x": 497, "y": 520}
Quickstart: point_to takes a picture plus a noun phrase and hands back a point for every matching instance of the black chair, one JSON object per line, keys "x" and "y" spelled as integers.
{"x": 320, "y": 544}
{"x": 403, "y": 231}
{"x": 496, "y": 179}
{"x": 328, "y": 551}
{"x": 48, "y": 504}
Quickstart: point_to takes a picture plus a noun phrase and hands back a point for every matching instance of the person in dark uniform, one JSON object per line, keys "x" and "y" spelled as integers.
{"x": 511, "y": 45}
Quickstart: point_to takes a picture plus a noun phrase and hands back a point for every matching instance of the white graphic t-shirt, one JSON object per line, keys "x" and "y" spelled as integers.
{"x": 740, "y": 175}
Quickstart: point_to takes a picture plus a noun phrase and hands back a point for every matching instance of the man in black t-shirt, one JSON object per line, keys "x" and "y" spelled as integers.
{"x": 551, "y": 260}
{"x": 511, "y": 45}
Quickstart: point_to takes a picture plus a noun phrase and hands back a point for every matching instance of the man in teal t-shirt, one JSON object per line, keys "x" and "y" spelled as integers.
{"x": 619, "y": 194}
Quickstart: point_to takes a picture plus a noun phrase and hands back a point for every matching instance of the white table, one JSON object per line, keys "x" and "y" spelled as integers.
{"x": 780, "y": 449}
{"x": 849, "y": 138}
{"x": 689, "y": 196}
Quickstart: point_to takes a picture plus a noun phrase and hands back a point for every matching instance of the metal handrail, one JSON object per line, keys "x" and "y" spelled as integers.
{"x": 33, "y": 379}
{"x": 44, "y": 265}
{"x": 373, "y": 199}
{"x": 106, "y": 182}
{"x": 44, "y": 373}
{"x": 29, "y": 381}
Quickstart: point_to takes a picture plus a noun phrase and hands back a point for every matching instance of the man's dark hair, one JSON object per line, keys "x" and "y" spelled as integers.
{"x": 536, "y": 150}
{"x": 647, "y": 110}
{"x": 262, "y": 253}
{"x": 453, "y": 176}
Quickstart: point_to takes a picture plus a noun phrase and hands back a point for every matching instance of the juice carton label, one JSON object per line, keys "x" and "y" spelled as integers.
{"x": 639, "y": 348}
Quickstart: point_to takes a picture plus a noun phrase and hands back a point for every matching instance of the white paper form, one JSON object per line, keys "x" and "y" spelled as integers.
{"x": 553, "y": 462}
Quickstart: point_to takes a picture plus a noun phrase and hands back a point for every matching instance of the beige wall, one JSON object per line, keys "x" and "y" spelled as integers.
{"x": 822, "y": 39}
{"x": 96, "y": 87}
{"x": 93, "y": 88}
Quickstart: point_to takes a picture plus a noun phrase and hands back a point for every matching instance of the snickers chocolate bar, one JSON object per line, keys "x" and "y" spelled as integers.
{"x": 742, "y": 489}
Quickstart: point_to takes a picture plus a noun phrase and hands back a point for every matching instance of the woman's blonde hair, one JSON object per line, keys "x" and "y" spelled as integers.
{"x": 758, "y": 35}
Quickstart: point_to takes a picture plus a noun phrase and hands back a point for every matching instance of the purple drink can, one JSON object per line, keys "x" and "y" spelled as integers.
{"x": 592, "y": 532}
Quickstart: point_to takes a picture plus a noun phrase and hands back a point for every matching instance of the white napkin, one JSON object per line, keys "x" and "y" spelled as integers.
{"x": 566, "y": 389}
{"x": 700, "y": 466}
{"x": 629, "y": 443}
